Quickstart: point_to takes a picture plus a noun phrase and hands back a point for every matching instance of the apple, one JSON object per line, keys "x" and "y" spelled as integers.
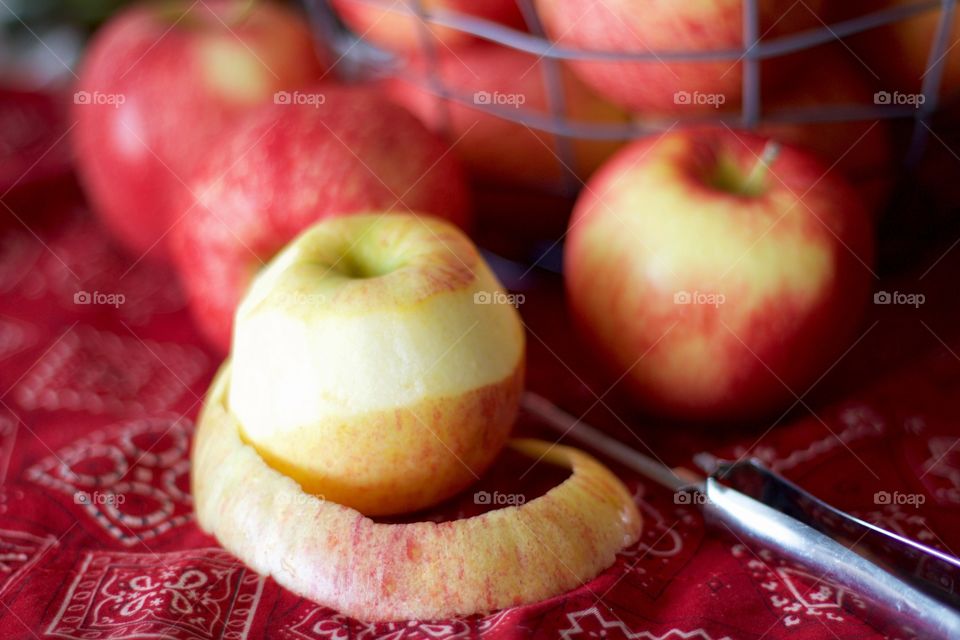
{"x": 377, "y": 363}
{"x": 156, "y": 87}
{"x": 336, "y": 557}
{"x": 398, "y": 29}
{"x": 862, "y": 150}
{"x": 717, "y": 276}
{"x": 900, "y": 53}
{"x": 325, "y": 152}
{"x": 661, "y": 86}
{"x": 494, "y": 148}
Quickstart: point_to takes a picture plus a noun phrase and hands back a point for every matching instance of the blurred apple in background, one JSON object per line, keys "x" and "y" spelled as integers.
{"x": 321, "y": 153}
{"x": 715, "y": 285}
{"x": 492, "y": 147}
{"x": 899, "y": 53}
{"x": 396, "y": 31}
{"x": 831, "y": 78}
{"x": 158, "y": 84}
{"x": 643, "y": 26}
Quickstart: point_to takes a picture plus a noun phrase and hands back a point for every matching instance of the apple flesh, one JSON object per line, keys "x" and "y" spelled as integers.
{"x": 492, "y": 147}
{"x": 377, "y": 363}
{"x": 404, "y": 33}
{"x": 718, "y": 291}
{"x": 337, "y": 557}
{"x": 156, "y": 87}
{"x": 286, "y": 166}
{"x": 642, "y": 26}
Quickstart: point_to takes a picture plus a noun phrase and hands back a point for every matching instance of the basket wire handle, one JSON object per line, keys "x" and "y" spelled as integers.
{"x": 434, "y": 69}
{"x": 359, "y": 57}
{"x": 750, "y": 108}
{"x": 552, "y": 76}
{"x": 932, "y": 81}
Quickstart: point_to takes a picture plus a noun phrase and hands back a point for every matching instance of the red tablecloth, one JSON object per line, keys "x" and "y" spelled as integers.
{"x": 98, "y": 403}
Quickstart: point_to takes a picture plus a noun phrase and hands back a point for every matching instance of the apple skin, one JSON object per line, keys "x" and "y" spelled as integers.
{"x": 365, "y": 368}
{"x": 651, "y": 224}
{"x": 493, "y": 148}
{"x": 657, "y": 26}
{"x": 403, "y": 34}
{"x": 375, "y": 571}
{"x": 180, "y": 85}
{"x": 286, "y": 166}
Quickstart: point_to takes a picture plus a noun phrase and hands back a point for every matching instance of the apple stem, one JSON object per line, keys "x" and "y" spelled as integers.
{"x": 767, "y": 157}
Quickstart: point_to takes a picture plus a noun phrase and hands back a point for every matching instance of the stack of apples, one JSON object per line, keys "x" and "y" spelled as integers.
{"x": 661, "y": 90}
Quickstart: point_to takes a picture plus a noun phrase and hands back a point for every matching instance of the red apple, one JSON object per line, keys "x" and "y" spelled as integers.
{"x": 716, "y": 286}
{"x": 403, "y": 32}
{"x": 328, "y": 152}
{"x": 642, "y": 26}
{"x": 899, "y": 53}
{"x": 156, "y": 87}
{"x": 494, "y": 148}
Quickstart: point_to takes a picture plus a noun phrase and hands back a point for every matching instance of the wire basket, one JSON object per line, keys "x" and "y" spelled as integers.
{"x": 360, "y": 58}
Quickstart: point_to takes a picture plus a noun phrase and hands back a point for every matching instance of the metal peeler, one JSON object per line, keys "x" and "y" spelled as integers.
{"x": 910, "y": 589}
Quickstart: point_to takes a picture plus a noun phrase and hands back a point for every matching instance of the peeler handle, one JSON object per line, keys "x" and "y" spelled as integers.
{"x": 908, "y": 588}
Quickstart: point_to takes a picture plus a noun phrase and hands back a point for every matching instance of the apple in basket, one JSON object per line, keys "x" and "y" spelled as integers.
{"x": 663, "y": 85}
{"x": 494, "y": 148}
{"x": 861, "y": 150}
{"x": 377, "y": 369}
{"x": 399, "y": 29}
{"x": 157, "y": 85}
{"x": 717, "y": 274}
{"x": 319, "y": 153}
{"x": 900, "y": 53}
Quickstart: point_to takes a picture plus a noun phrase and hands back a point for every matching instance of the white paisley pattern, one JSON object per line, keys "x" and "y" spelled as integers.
{"x": 319, "y": 623}
{"x": 591, "y": 623}
{"x": 200, "y": 594}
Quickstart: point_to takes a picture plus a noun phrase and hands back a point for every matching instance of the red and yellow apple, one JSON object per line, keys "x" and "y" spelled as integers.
{"x": 325, "y": 152}
{"x": 717, "y": 280}
{"x": 395, "y": 24}
{"x": 660, "y": 85}
{"x": 156, "y": 87}
{"x": 492, "y": 147}
{"x": 374, "y": 571}
{"x": 376, "y": 362}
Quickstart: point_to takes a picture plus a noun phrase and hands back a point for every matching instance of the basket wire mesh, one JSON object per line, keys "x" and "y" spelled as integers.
{"x": 359, "y": 58}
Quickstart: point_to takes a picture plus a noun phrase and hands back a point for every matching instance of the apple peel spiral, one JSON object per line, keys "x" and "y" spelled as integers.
{"x": 337, "y": 557}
